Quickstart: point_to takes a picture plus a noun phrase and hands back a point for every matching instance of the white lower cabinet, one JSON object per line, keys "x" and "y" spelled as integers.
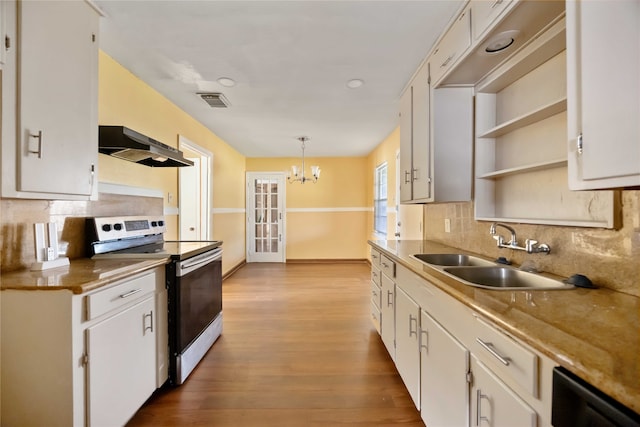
{"x": 444, "y": 368}
{"x": 121, "y": 351}
{"x": 89, "y": 359}
{"x": 387, "y": 312}
{"x": 407, "y": 346}
{"x": 493, "y": 404}
{"x": 458, "y": 367}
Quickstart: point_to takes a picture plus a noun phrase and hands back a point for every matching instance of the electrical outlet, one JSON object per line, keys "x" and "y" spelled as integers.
{"x": 170, "y": 197}
{"x": 447, "y": 225}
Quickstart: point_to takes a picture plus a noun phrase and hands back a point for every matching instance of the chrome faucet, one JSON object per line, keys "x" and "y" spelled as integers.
{"x": 530, "y": 246}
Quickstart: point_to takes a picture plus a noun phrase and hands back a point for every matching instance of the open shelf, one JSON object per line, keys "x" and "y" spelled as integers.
{"x": 531, "y": 117}
{"x": 525, "y": 168}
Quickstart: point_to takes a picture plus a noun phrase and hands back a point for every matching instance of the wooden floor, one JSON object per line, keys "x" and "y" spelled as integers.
{"x": 298, "y": 349}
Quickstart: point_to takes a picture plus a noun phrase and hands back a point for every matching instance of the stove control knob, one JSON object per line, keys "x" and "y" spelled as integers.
{"x": 106, "y": 227}
{"x": 117, "y": 227}
{"x": 154, "y": 223}
{"x": 160, "y": 223}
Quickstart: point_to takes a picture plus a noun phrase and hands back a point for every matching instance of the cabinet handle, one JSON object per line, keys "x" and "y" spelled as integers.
{"x": 39, "y": 137}
{"x": 579, "y": 144}
{"x": 479, "y": 397}
{"x": 411, "y": 330}
{"x": 491, "y": 349}
{"x": 414, "y": 174}
{"x": 389, "y": 298}
{"x": 495, "y": 3}
{"x": 374, "y": 256}
{"x": 144, "y": 322}
{"x": 128, "y": 294}
{"x": 421, "y": 344}
{"x": 446, "y": 62}
{"x": 375, "y": 294}
{"x": 407, "y": 177}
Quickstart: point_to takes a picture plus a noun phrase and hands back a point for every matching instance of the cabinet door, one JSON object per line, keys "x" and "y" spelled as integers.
{"x": 493, "y": 404}
{"x": 388, "y": 327}
{"x": 444, "y": 366}
{"x": 406, "y": 138}
{"x": 122, "y": 364}
{"x": 603, "y": 88}
{"x": 57, "y": 92}
{"x": 421, "y": 174}
{"x": 407, "y": 351}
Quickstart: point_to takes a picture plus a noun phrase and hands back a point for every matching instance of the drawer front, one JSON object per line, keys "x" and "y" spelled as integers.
{"x": 376, "y": 317}
{"x": 388, "y": 267}
{"x": 375, "y": 275}
{"x": 484, "y": 12}
{"x": 506, "y": 357}
{"x": 452, "y": 45}
{"x": 413, "y": 285}
{"x": 375, "y": 257}
{"x": 118, "y": 295}
{"x": 376, "y": 294}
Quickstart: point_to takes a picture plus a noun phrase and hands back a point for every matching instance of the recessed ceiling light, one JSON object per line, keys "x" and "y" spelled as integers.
{"x": 355, "y": 83}
{"x": 226, "y": 82}
{"x": 501, "y": 41}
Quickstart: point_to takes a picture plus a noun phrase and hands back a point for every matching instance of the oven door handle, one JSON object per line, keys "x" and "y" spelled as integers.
{"x": 189, "y": 265}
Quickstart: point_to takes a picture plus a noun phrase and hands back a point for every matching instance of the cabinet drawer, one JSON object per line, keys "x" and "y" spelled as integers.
{"x": 375, "y": 257}
{"x": 376, "y": 316}
{"x": 118, "y": 295}
{"x": 414, "y": 286}
{"x": 484, "y": 12}
{"x": 506, "y": 357}
{"x": 452, "y": 45}
{"x": 375, "y": 275}
{"x": 388, "y": 267}
{"x": 376, "y": 294}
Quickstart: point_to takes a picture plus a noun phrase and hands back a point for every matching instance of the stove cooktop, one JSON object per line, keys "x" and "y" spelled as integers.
{"x": 177, "y": 250}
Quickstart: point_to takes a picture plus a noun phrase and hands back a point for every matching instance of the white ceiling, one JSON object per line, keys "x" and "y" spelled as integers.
{"x": 291, "y": 61}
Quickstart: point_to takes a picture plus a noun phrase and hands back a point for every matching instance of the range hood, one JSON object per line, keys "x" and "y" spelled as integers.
{"x": 127, "y": 144}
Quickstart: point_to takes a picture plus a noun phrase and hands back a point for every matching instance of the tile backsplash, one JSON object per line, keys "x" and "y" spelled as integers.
{"x": 610, "y": 258}
{"x": 19, "y": 215}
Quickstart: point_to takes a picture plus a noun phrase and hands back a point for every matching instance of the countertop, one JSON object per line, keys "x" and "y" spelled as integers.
{"x": 594, "y": 333}
{"x": 80, "y": 276}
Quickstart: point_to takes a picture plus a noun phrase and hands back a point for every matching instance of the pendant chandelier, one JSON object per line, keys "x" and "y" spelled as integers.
{"x": 297, "y": 173}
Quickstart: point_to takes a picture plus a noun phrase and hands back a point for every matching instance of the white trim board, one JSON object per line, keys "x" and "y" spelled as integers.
{"x": 307, "y": 210}
{"x": 127, "y": 190}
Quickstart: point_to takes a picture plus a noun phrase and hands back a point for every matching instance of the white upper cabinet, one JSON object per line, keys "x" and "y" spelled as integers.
{"x": 415, "y": 139}
{"x": 50, "y": 141}
{"x": 452, "y": 45}
{"x": 603, "y": 88}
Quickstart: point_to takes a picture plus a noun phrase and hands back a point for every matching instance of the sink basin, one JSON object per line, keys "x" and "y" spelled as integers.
{"x": 504, "y": 278}
{"x": 452, "y": 260}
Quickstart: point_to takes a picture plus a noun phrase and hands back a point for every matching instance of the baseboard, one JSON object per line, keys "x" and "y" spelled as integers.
{"x": 328, "y": 261}
{"x": 234, "y": 269}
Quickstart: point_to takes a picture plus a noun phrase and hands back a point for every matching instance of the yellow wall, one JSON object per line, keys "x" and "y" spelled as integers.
{"x": 333, "y": 220}
{"x": 126, "y": 100}
{"x": 410, "y": 216}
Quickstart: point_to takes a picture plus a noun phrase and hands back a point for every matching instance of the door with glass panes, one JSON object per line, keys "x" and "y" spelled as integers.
{"x": 265, "y": 217}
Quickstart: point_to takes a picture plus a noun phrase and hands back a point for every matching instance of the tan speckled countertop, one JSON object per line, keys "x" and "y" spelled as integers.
{"x": 80, "y": 276}
{"x": 594, "y": 333}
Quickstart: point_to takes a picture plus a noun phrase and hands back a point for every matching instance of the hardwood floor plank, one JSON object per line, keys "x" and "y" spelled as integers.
{"x": 298, "y": 349}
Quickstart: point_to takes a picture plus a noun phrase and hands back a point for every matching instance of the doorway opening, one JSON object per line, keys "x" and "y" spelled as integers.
{"x": 195, "y": 195}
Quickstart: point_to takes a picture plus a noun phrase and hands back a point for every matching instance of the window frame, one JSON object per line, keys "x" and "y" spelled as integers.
{"x": 380, "y": 199}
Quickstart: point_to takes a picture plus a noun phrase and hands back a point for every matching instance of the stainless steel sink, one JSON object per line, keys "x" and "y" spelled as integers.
{"x": 452, "y": 260}
{"x": 505, "y": 278}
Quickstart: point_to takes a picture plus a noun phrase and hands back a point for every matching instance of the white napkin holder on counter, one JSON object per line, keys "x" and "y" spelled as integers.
{"x": 46, "y": 245}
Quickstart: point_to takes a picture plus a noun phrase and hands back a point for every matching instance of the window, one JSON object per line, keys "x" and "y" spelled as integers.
{"x": 380, "y": 200}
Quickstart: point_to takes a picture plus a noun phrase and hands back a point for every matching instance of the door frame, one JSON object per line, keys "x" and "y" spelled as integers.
{"x": 250, "y": 194}
{"x": 206, "y": 184}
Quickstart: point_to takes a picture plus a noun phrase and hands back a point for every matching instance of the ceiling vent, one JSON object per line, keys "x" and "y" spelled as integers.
{"x": 214, "y": 99}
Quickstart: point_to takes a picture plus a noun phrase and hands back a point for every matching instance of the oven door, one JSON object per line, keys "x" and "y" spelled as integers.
{"x": 195, "y": 305}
